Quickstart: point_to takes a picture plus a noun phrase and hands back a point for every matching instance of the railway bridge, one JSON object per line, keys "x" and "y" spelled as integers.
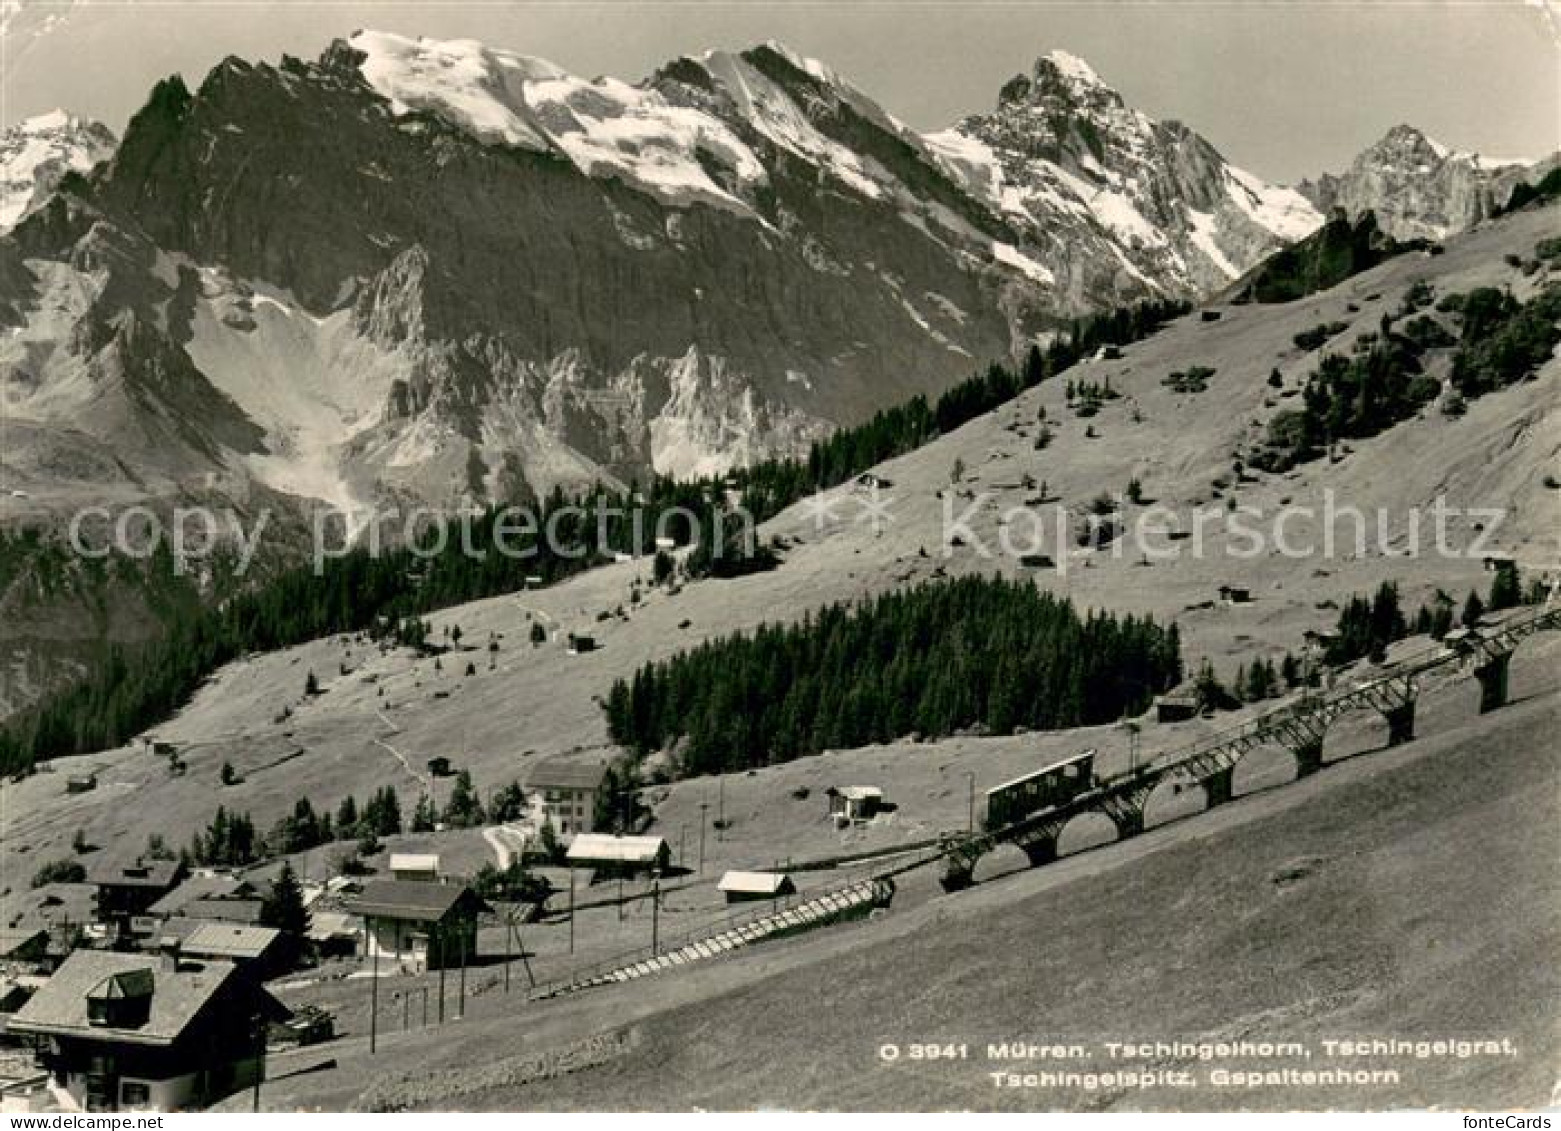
{"x": 1298, "y": 726}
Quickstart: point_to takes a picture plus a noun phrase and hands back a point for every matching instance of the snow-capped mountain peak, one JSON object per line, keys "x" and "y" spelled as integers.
{"x": 604, "y": 127}
{"x": 1063, "y": 153}
{"x": 1061, "y": 69}
{"x": 36, "y": 152}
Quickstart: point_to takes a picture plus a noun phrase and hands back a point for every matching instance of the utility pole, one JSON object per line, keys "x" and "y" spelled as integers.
{"x": 970, "y": 818}
{"x": 703, "y": 805}
{"x": 720, "y": 812}
{"x": 520, "y": 943}
{"x": 438, "y": 939}
{"x": 571, "y": 909}
{"x": 260, "y": 1057}
{"x": 368, "y": 939}
{"x": 655, "y": 912}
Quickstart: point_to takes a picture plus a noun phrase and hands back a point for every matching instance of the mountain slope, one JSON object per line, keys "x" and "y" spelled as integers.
{"x": 537, "y": 701}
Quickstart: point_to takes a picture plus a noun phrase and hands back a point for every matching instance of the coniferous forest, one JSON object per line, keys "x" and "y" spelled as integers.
{"x": 928, "y": 660}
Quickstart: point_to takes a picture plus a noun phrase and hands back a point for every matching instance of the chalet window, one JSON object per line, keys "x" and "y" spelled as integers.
{"x": 134, "y": 1093}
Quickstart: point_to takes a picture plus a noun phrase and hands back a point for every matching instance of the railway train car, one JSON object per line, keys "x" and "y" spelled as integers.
{"x": 1042, "y": 789}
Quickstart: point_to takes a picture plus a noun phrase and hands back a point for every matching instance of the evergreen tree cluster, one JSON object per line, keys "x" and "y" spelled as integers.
{"x": 1348, "y": 398}
{"x": 1504, "y": 341}
{"x": 931, "y": 659}
{"x": 1338, "y": 250}
{"x": 1501, "y": 341}
{"x": 228, "y": 841}
{"x": 1367, "y": 626}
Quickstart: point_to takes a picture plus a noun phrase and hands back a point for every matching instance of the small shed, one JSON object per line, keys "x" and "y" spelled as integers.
{"x": 1235, "y": 594}
{"x": 746, "y": 887}
{"x": 81, "y": 783}
{"x": 1176, "y": 706}
{"x": 618, "y": 855}
{"x": 439, "y": 766}
{"x": 423, "y": 866}
{"x": 579, "y": 644}
{"x": 854, "y": 802}
{"x": 1320, "y": 638}
{"x": 333, "y": 933}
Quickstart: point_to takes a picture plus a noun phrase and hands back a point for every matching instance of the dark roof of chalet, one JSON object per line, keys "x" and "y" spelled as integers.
{"x": 230, "y": 940}
{"x": 201, "y": 887}
{"x": 224, "y": 910}
{"x": 59, "y": 1008}
{"x": 137, "y": 874}
{"x": 567, "y": 773}
{"x": 418, "y": 901}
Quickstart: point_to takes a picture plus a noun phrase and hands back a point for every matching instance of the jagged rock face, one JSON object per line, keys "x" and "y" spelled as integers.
{"x": 1417, "y": 187}
{"x": 1117, "y": 200}
{"x": 435, "y": 270}
{"x": 37, "y": 152}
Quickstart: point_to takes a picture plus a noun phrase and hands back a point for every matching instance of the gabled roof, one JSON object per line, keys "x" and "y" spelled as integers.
{"x": 567, "y": 773}
{"x": 202, "y": 887}
{"x": 618, "y": 849}
{"x": 59, "y": 1008}
{"x": 229, "y": 940}
{"x": 137, "y": 874}
{"x": 414, "y": 901}
{"x": 757, "y": 883}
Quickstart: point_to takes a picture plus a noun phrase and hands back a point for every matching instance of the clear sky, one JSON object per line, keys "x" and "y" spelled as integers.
{"x": 1286, "y": 88}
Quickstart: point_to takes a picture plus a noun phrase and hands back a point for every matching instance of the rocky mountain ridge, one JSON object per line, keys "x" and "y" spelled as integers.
{"x": 435, "y": 270}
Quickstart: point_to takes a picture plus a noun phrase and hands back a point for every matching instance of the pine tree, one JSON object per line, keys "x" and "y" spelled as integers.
{"x": 464, "y": 809}
{"x": 1506, "y": 588}
{"x": 347, "y": 818}
{"x": 1473, "y": 610}
{"x": 1034, "y": 366}
{"x": 423, "y": 818}
{"x": 283, "y": 906}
